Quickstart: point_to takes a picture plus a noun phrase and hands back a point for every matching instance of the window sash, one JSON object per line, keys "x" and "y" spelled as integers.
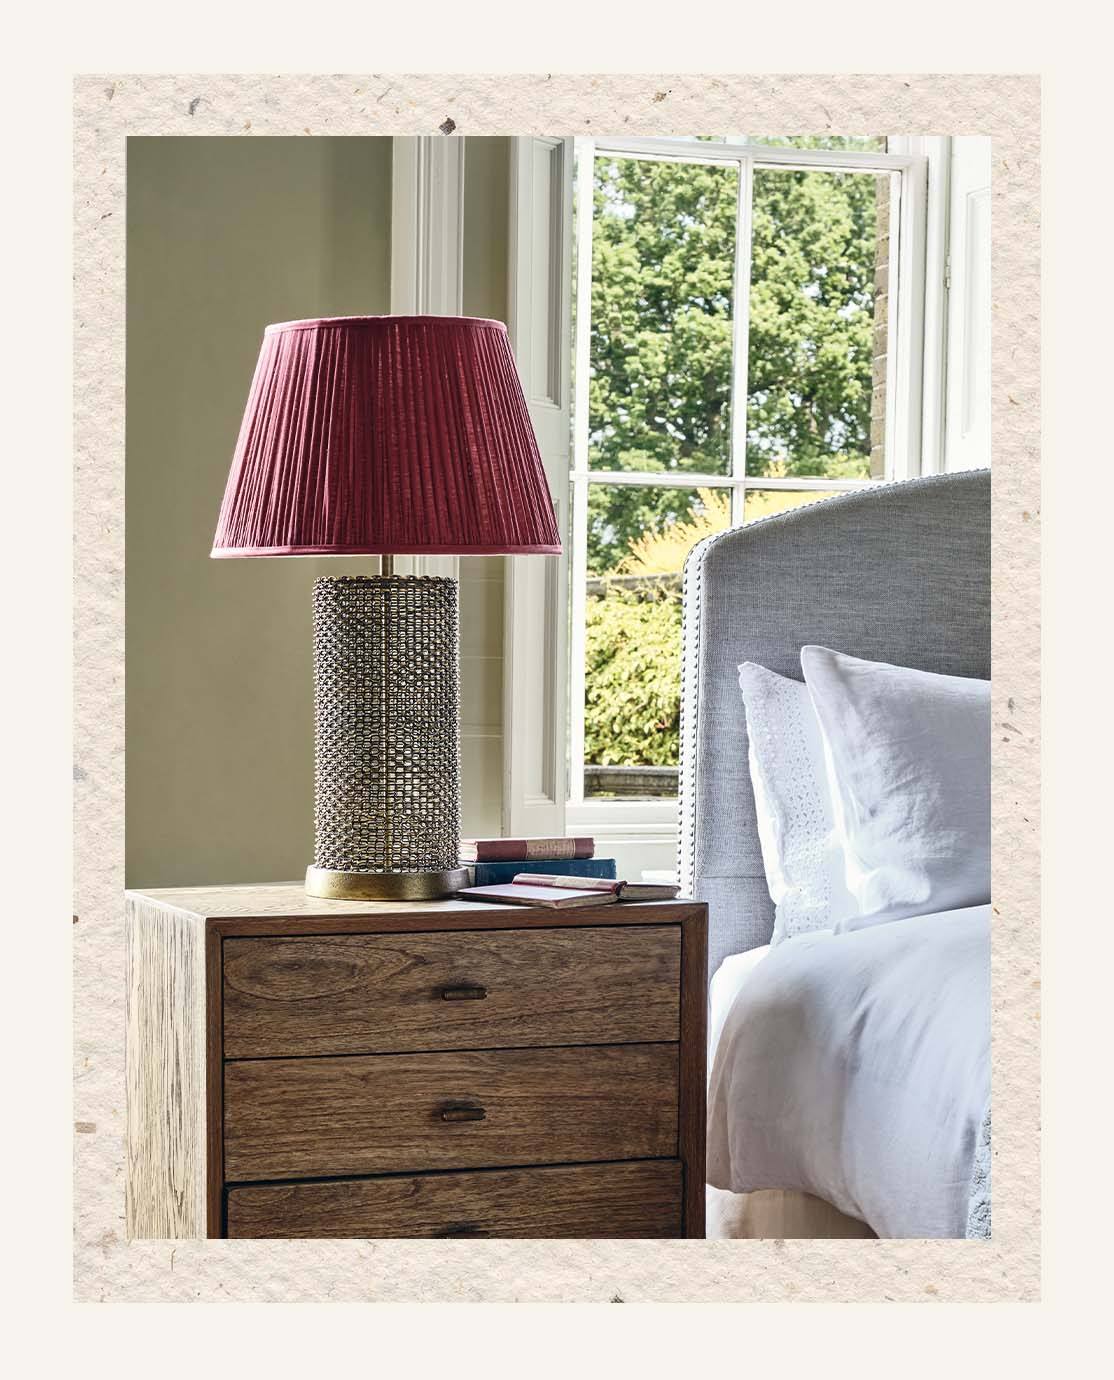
{"x": 762, "y": 155}
{"x": 903, "y": 393}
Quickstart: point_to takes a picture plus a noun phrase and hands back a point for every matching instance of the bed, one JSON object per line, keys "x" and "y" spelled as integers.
{"x": 898, "y": 573}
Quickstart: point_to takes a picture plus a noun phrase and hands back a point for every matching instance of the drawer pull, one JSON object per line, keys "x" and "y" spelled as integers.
{"x": 457, "y": 1111}
{"x": 462, "y": 1229}
{"x": 467, "y": 992}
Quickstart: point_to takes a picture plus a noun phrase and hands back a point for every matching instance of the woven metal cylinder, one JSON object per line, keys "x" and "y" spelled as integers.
{"x": 386, "y": 696}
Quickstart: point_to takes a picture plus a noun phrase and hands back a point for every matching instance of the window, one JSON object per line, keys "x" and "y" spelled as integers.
{"x": 746, "y": 339}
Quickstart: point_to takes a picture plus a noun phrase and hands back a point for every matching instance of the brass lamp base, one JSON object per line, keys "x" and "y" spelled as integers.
{"x": 386, "y": 696}
{"x": 384, "y": 886}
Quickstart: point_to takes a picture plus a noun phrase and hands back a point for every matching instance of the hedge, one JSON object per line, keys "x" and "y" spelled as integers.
{"x": 632, "y": 712}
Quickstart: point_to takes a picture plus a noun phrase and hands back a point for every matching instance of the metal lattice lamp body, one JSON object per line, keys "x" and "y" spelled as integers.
{"x": 386, "y": 710}
{"x": 382, "y": 436}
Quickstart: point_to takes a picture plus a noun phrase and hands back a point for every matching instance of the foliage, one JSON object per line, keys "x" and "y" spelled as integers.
{"x": 811, "y": 322}
{"x": 632, "y": 707}
{"x": 633, "y": 674}
{"x": 661, "y": 333}
{"x": 663, "y": 552}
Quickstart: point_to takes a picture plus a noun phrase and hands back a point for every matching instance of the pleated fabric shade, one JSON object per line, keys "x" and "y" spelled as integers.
{"x": 385, "y": 435}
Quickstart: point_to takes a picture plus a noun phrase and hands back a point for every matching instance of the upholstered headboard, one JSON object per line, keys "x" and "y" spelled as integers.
{"x": 897, "y": 573}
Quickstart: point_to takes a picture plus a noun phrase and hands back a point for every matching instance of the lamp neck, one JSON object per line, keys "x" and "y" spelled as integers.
{"x": 386, "y": 565}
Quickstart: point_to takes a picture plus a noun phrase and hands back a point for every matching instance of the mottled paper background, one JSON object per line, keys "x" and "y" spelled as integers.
{"x": 108, "y": 1267}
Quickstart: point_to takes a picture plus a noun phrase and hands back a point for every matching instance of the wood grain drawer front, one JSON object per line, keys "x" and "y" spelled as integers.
{"x": 404, "y": 1113}
{"x": 641, "y": 1199}
{"x": 378, "y": 994}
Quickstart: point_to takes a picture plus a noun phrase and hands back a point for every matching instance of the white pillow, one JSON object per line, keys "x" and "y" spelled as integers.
{"x": 908, "y": 760}
{"x": 801, "y": 851}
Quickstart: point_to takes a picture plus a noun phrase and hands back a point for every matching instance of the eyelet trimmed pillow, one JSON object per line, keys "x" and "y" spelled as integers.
{"x": 908, "y": 760}
{"x": 801, "y": 852}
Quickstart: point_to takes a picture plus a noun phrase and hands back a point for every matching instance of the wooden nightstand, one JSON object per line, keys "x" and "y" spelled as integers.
{"x": 301, "y": 1067}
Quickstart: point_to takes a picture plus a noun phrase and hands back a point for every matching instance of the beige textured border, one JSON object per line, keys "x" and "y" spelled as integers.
{"x": 107, "y": 1267}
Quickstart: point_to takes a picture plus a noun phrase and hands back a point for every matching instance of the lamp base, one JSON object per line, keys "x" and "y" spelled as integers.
{"x": 384, "y": 886}
{"x": 386, "y": 695}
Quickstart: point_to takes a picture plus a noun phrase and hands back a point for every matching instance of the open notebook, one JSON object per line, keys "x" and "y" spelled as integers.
{"x": 559, "y": 893}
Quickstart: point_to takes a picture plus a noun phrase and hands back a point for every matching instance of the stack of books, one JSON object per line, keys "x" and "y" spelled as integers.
{"x": 491, "y": 862}
{"x": 556, "y": 873}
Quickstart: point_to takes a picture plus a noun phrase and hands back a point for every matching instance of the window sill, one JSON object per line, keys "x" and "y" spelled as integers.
{"x": 631, "y": 819}
{"x": 640, "y": 834}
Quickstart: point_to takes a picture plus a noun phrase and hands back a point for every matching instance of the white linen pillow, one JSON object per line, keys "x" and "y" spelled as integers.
{"x": 801, "y": 851}
{"x": 908, "y": 760}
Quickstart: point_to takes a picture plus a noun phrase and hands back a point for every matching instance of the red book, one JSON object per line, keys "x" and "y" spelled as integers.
{"x": 524, "y": 850}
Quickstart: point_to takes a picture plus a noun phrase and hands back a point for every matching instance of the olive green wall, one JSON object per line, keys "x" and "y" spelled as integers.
{"x": 487, "y": 170}
{"x": 224, "y": 236}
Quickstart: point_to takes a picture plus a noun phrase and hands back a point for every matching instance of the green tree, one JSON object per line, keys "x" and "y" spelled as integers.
{"x": 661, "y": 332}
{"x": 632, "y": 710}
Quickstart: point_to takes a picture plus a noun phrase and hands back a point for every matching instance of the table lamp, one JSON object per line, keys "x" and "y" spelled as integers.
{"x": 386, "y": 435}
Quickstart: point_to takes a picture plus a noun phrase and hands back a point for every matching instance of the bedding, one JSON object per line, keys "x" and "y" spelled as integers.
{"x": 856, "y": 1067}
{"x": 908, "y": 759}
{"x": 801, "y": 851}
{"x": 727, "y": 983}
{"x": 779, "y": 1215}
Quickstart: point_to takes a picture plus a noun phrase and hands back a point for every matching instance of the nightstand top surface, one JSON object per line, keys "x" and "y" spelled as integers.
{"x": 288, "y": 901}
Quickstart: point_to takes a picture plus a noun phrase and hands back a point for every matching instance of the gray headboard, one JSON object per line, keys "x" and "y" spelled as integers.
{"x": 897, "y": 573}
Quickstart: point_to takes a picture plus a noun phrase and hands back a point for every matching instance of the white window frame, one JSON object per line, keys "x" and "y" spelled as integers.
{"x": 647, "y": 825}
{"x": 535, "y": 656}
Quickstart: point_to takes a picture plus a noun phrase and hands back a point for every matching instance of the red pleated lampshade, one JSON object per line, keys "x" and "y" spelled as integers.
{"x": 385, "y": 435}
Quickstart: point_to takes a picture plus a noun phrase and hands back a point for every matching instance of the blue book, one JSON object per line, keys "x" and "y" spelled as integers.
{"x": 496, "y": 873}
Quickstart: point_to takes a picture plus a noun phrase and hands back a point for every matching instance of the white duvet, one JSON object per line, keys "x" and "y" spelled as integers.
{"x": 856, "y": 1067}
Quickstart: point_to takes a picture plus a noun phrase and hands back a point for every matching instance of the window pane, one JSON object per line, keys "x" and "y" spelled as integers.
{"x": 635, "y": 530}
{"x": 663, "y": 252}
{"x": 760, "y": 503}
{"x": 819, "y": 324}
{"x": 632, "y": 635}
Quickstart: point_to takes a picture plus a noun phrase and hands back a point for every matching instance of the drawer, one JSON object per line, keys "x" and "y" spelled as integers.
{"x": 642, "y": 1199}
{"x": 399, "y": 993}
{"x": 404, "y": 1113}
